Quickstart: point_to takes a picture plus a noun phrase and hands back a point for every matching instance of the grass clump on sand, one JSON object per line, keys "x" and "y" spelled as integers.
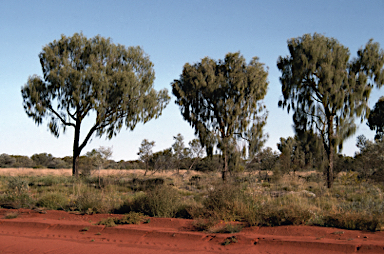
{"x": 130, "y": 218}
{"x": 11, "y": 216}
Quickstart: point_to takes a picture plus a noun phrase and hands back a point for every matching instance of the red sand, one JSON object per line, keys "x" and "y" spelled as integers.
{"x": 62, "y": 232}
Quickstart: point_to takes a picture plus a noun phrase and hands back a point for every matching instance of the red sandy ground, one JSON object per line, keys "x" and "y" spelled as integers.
{"x": 61, "y": 232}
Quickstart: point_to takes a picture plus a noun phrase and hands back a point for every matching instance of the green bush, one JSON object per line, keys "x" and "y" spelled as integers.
{"x": 226, "y": 201}
{"x": 18, "y": 184}
{"x": 352, "y": 221}
{"x": 108, "y": 222}
{"x": 130, "y": 218}
{"x": 16, "y": 200}
{"x": 287, "y": 215}
{"x": 94, "y": 201}
{"x": 53, "y": 201}
{"x": 161, "y": 201}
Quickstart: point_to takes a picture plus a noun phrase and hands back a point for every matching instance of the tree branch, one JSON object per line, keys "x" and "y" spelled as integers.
{"x": 61, "y": 119}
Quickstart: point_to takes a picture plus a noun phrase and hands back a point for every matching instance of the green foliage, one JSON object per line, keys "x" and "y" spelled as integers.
{"x": 6, "y": 161}
{"x": 370, "y": 161}
{"x": 145, "y": 153}
{"x": 42, "y": 160}
{"x": 221, "y": 101}
{"x": 264, "y": 160}
{"x": 53, "y": 201}
{"x": 161, "y": 201}
{"x": 205, "y": 224}
{"x": 353, "y": 203}
{"x": 352, "y": 221}
{"x": 108, "y": 222}
{"x": 180, "y": 151}
{"x": 91, "y": 201}
{"x": 272, "y": 215}
{"x": 11, "y": 216}
{"x": 23, "y": 162}
{"x": 138, "y": 184}
{"x": 162, "y": 160}
{"x": 83, "y": 76}
{"x": 326, "y": 90}
{"x": 229, "y": 228}
{"x": 376, "y": 119}
{"x": 130, "y": 218}
{"x": 226, "y": 202}
{"x": 18, "y": 184}
{"x": 209, "y": 164}
{"x": 230, "y": 240}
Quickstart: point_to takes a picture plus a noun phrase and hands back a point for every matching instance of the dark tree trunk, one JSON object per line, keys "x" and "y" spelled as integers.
{"x": 330, "y": 168}
{"x": 146, "y": 168}
{"x": 330, "y": 149}
{"x": 76, "y": 151}
{"x": 224, "y": 173}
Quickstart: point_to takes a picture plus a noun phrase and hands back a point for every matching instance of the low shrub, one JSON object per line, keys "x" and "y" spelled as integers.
{"x": 353, "y": 221}
{"x": 11, "y": 216}
{"x": 228, "y": 228}
{"x": 15, "y": 200}
{"x": 108, "y": 222}
{"x": 205, "y": 224}
{"x": 53, "y": 201}
{"x": 130, "y": 218}
{"x": 226, "y": 202}
{"x": 18, "y": 184}
{"x": 146, "y": 184}
{"x": 161, "y": 201}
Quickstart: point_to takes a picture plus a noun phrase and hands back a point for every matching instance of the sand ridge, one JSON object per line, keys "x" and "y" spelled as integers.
{"x": 63, "y": 232}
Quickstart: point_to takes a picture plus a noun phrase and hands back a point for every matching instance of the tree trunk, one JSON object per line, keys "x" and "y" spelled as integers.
{"x": 330, "y": 153}
{"x": 330, "y": 168}
{"x": 76, "y": 152}
{"x": 75, "y": 160}
{"x": 146, "y": 168}
{"x": 225, "y": 168}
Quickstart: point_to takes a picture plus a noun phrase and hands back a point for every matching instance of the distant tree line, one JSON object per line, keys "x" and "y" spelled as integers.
{"x": 45, "y": 160}
{"x": 295, "y": 154}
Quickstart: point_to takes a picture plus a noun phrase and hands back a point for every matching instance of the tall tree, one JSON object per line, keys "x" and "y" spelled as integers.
{"x": 196, "y": 151}
{"x": 179, "y": 149}
{"x": 376, "y": 119}
{"x": 145, "y": 153}
{"x": 99, "y": 157}
{"x": 83, "y": 77}
{"x": 221, "y": 100}
{"x": 326, "y": 90}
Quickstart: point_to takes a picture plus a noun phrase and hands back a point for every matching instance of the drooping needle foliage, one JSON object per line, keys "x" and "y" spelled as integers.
{"x": 326, "y": 90}
{"x": 222, "y": 101}
{"x": 83, "y": 77}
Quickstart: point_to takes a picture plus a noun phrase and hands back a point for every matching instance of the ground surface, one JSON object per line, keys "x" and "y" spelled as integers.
{"x": 62, "y": 232}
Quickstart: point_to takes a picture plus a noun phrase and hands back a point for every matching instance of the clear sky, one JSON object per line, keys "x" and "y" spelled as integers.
{"x": 172, "y": 33}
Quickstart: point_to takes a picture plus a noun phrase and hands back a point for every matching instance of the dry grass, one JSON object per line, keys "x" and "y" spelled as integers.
{"x": 103, "y": 172}
{"x": 34, "y": 172}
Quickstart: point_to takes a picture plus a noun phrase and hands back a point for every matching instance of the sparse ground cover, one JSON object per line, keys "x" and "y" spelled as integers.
{"x": 245, "y": 200}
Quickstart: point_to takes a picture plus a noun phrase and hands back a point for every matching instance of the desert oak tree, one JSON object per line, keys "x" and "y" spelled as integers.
{"x": 326, "y": 90}
{"x": 83, "y": 77}
{"x": 222, "y": 101}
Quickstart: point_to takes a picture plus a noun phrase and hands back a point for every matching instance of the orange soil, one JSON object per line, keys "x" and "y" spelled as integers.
{"x": 62, "y": 232}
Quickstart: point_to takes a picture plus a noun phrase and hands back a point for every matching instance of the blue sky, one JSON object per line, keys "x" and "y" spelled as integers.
{"x": 172, "y": 33}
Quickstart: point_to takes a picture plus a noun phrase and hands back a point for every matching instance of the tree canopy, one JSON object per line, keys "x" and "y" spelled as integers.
{"x": 376, "y": 119}
{"x": 221, "y": 100}
{"x": 145, "y": 152}
{"x": 83, "y": 77}
{"x": 326, "y": 90}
